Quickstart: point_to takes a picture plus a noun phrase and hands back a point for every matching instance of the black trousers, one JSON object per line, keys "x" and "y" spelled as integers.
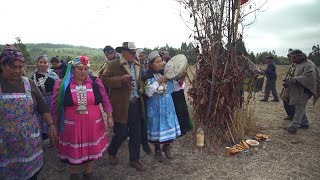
{"x": 144, "y": 133}
{"x": 131, "y": 129}
{"x": 270, "y": 86}
{"x": 288, "y": 108}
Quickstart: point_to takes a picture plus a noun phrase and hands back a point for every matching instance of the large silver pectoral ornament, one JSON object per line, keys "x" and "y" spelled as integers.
{"x": 81, "y": 91}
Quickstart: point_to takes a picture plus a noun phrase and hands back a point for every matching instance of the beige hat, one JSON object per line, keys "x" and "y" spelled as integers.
{"x": 126, "y": 46}
{"x": 153, "y": 55}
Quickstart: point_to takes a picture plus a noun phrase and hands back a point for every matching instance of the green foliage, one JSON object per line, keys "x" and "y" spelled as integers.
{"x": 187, "y": 49}
{"x": 260, "y": 58}
{"x": 240, "y": 46}
{"x": 252, "y": 57}
{"x": 65, "y": 52}
{"x": 315, "y": 55}
{"x": 22, "y": 47}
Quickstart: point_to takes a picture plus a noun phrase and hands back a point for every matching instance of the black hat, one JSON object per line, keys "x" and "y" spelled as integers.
{"x": 297, "y": 52}
{"x": 108, "y": 49}
{"x": 55, "y": 59}
{"x": 126, "y": 46}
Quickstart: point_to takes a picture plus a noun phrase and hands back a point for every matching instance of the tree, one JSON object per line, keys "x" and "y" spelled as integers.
{"x": 240, "y": 46}
{"x": 315, "y": 55}
{"x": 215, "y": 90}
{"x": 21, "y": 47}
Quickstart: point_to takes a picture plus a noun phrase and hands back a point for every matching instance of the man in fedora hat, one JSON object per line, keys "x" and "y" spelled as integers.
{"x": 122, "y": 77}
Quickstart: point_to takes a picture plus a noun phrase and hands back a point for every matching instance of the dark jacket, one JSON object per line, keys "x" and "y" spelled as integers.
{"x": 271, "y": 72}
{"x": 61, "y": 71}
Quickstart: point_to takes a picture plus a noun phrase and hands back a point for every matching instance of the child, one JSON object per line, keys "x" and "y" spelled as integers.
{"x": 163, "y": 125}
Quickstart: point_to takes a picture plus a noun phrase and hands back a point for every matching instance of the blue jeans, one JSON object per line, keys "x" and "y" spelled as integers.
{"x": 300, "y": 117}
{"x": 132, "y": 128}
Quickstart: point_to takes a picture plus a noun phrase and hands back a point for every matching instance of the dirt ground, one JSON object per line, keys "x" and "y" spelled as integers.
{"x": 285, "y": 156}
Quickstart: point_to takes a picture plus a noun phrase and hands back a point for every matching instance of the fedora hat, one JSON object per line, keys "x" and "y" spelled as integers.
{"x": 126, "y": 46}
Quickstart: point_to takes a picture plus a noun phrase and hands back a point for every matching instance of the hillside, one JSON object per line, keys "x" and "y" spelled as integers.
{"x": 65, "y": 52}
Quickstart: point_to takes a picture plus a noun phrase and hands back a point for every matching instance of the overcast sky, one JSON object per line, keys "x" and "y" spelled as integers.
{"x": 149, "y": 23}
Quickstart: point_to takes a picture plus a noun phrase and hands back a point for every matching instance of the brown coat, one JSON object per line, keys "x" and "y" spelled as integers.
{"x": 119, "y": 94}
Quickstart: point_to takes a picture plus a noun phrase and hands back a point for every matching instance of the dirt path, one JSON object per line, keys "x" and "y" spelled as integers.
{"x": 285, "y": 156}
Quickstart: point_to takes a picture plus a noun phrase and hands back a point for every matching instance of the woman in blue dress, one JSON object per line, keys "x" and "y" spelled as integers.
{"x": 163, "y": 125}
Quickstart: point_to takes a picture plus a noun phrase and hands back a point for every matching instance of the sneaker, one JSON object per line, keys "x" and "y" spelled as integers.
{"x": 167, "y": 152}
{"x": 292, "y": 130}
{"x": 158, "y": 156}
{"x": 138, "y": 166}
{"x": 275, "y": 100}
{"x": 264, "y": 100}
{"x": 113, "y": 160}
{"x": 90, "y": 176}
{"x": 74, "y": 177}
{"x": 146, "y": 149}
{"x": 304, "y": 126}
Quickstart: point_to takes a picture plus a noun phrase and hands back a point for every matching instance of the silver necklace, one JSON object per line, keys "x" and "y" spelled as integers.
{"x": 40, "y": 82}
{"x": 162, "y": 87}
{"x": 81, "y": 91}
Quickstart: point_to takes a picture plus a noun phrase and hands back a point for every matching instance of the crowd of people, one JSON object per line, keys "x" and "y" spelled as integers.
{"x": 64, "y": 103}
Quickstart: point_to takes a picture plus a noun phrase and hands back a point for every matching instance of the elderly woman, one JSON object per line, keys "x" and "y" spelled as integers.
{"x": 20, "y": 140}
{"x": 163, "y": 125}
{"x": 44, "y": 79}
{"x": 82, "y": 133}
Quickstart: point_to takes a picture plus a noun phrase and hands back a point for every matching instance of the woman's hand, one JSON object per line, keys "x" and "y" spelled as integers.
{"x": 53, "y": 134}
{"x": 162, "y": 79}
{"x": 110, "y": 121}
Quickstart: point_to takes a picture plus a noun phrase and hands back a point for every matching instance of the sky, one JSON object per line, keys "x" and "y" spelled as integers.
{"x": 281, "y": 24}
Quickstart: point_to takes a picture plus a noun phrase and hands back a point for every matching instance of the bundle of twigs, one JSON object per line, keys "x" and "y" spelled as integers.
{"x": 215, "y": 89}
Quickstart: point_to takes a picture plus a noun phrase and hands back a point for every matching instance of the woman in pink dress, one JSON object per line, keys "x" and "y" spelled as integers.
{"x": 76, "y": 110}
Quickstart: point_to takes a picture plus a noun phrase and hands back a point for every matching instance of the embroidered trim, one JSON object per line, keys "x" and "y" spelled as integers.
{"x": 68, "y": 122}
{"x": 86, "y": 144}
{"x": 14, "y": 160}
{"x": 164, "y": 132}
{"x": 98, "y": 120}
{"x": 84, "y": 158}
{"x": 16, "y": 95}
{"x": 74, "y": 90}
{"x": 164, "y": 138}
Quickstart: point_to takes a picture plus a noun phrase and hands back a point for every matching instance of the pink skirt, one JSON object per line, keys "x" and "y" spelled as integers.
{"x": 84, "y": 138}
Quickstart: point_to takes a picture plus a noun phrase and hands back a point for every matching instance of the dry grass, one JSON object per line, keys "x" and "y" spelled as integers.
{"x": 285, "y": 156}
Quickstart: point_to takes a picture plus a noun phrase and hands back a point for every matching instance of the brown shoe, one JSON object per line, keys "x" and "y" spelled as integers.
{"x": 113, "y": 160}
{"x": 138, "y": 166}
